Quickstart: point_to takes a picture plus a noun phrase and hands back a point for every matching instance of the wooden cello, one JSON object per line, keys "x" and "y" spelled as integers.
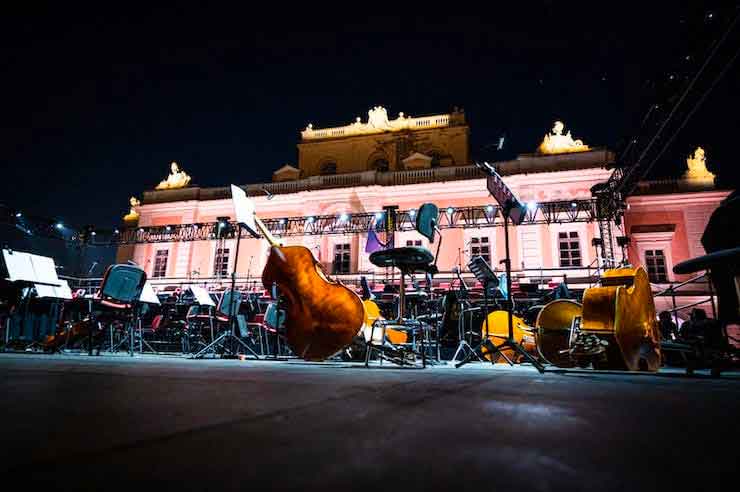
{"x": 322, "y": 315}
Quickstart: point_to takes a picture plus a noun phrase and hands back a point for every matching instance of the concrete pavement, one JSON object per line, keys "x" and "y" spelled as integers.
{"x": 113, "y": 422}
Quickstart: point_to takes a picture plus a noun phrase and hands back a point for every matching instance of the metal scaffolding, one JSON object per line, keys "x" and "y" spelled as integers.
{"x": 583, "y": 210}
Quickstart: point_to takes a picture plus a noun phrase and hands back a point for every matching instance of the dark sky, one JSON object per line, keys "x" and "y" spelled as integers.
{"x": 96, "y": 105}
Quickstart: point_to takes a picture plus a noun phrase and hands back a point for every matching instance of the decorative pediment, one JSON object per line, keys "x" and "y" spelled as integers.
{"x": 417, "y": 160}
{"x": 286, "y": 173}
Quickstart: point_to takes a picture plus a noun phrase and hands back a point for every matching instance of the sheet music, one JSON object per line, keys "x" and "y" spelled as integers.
{"x": 201, "y": 296}
{"x": 19, "y": 266}
{"x": 61, "y": 292}
{"x": 148, "y": 295}
{"x": 244, "y": 209}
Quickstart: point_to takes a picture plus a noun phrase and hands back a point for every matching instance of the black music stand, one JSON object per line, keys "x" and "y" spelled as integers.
{"x": 484, "y": 275}
{"x": 512, "y": 210}
{"x": 244, "y": 209}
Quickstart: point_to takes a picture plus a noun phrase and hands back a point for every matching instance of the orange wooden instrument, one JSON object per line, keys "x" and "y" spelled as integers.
{"x": 498, "y": 332}
{"x": 372, "y": 314}
{"x": 553, "y": 326}
{"x": 322, "y": 316}
{"x": 621, "y": 311}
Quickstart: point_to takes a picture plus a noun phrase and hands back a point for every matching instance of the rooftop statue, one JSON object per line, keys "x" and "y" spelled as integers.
{"x": 557, "y": 143}
{"x": 176, "y": 179}
{"x": 132, "y": 214}
{"x": 378, "y": 118}
{"x": 697, "y": 167}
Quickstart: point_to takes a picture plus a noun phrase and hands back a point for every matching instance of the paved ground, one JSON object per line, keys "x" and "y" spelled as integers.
{"x": 115, "y": 423}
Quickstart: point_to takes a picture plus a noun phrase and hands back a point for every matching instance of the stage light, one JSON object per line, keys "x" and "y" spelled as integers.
{"x": 282, "y": 221}
{"x": 489, "y": 208}
{"x": 60, "y": 225}
{"x": 450, "y": 210}
{"x": 573, "y": 204}
{"x": 93, "y": 233}
{"x": 168, "y": 228}
{"x": 310, "y": 220}
{"x": 18, "y": 215}
{"x": 412, "y": 213}
{"x": 115, "y": 231}
{"x": 378, "y": 215}
{"x": 532, "y": 205}
{"x": 343, "y": 217}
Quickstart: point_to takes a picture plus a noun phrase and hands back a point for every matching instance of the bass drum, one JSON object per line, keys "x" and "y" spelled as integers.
{"x": 553, "y": 331}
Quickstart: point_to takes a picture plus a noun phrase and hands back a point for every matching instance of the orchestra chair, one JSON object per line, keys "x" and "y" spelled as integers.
{"x": 117, "y": 299}
{"x": 408, "y": 260}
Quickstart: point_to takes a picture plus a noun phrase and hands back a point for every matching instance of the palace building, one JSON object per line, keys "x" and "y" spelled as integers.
{"x": 365, "y": 167}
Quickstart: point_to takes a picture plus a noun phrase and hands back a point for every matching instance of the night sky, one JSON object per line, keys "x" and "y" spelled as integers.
{"x": 96, "y": 105}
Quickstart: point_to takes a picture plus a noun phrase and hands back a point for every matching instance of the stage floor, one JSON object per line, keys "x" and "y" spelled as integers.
{"x": 119, "y": 423}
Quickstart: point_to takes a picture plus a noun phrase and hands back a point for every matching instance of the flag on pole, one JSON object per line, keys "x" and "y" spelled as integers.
{"x": 373, "y": 243}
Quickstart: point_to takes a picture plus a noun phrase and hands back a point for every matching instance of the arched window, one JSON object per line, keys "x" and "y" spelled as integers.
{"x": 328, "y": 168}
{"x": 380, "y": 165}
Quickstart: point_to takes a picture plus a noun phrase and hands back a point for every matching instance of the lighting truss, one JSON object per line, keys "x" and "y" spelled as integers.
{"x": 569, "y": 211}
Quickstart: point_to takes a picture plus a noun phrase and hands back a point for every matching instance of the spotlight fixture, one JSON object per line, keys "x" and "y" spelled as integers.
{"x": 93, "y": 233}
{"x": 59, "y": 225}
{"x": 115, "y": 231}
{"x": 489, "y": 208}
{"x": 18, "y": 214}
{"x": 573, "y": 204}
{"x": 450, "y": 210}
{"x": 310, "y": 220}
{"x": 282, "y": 221}
{"x": 378, "y": 215}
{"x": 343, "y": 217}
{"x": 532, "y": 205}
{"x": 168, "y": 228}
{"x": 412, "y": 213}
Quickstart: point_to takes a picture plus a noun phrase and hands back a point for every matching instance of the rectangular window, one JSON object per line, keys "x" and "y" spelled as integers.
{"x": 570, "y": 249}
{"x": 160, "y": 263}
{"x": 416, "y": 242}
{"x": 221, "y": 263}
{"x": 656, "y": 268}
{"x": 480, "y": 246}
{"x": 341, "y": 258}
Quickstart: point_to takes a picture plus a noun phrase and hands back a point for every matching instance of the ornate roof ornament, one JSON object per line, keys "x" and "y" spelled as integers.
{"x": 557, "y": 143}
{"x": 377, "y": 122}
{"x": 697, "y": 168}
{"x": 176, "y": 179}
{"x": 132, "y": 215}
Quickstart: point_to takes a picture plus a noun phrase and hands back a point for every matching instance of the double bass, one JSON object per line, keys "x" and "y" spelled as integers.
{"x": 322, "y": 315}
{"x": 618, "y": 317}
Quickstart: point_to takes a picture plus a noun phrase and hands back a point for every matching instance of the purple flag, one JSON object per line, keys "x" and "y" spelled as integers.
{"x": 373, "y": 243}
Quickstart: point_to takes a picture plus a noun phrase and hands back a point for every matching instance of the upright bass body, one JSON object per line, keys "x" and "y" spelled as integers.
{"x": 622, "y": 312}
{"x": 322, "y": 316}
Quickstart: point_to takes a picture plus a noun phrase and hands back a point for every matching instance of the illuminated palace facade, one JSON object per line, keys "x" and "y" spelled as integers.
{"x": 407, "y": 161}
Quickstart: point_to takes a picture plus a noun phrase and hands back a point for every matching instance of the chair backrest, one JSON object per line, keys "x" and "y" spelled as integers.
{"x": 426, "y": 220}
{"x": 224, "y": 305}
{"x": 122, "y": 283}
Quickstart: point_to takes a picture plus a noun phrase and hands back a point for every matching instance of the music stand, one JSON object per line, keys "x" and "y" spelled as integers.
{"x": 487, "y": 277}
{"x": 244, "y": 209}
{"x": 512, "y": 210}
